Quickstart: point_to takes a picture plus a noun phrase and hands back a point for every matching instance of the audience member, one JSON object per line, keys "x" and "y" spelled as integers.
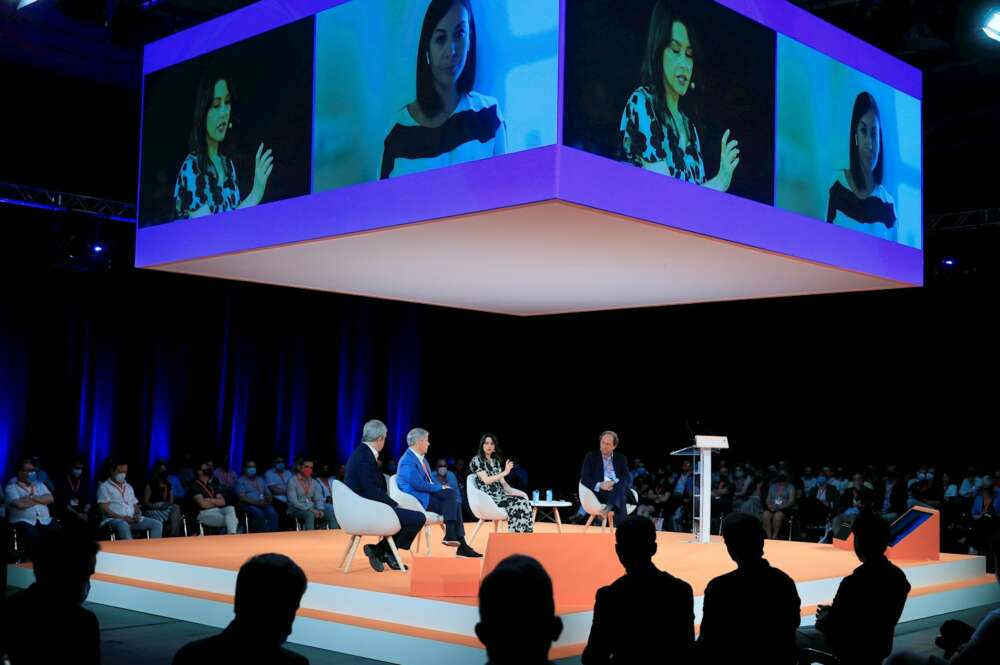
{"x": 269, "y": 588}
{"x": 446, "y": 477}
{"x": 45, "y": 623}
{"x": 158, "y": 501}
{"x": 255, "y": 499}
{"x": 621, "y": 634}
{"x": 177, "y": 483}
{"x": 277, "y": 478}
{"x": 984, "y": 518}
{"x": 28, "y": 501}
{"x": 517, "y": 614}
{"x": 305, "y": 497}
{"x": 120, "y": 507}
{"x": 72, "y": 497}
{"x": 210, "y": 504}
{"x": 858, "y": 627}
{"x": 41, "y": 474}
{"x": 227, "y": 477}
{"x": 365, "y": 479}
{"x": 891, "y": 495}
{"x": 752, "y": 613}
{"x": 414, "y": 478}
{"x": 780, "y": 500}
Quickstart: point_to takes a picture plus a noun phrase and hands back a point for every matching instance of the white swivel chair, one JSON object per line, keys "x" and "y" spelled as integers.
{"x": 409, "y": 502}
{"x": 484, "y": 507}
{"x": 593, "y": 507}
{"x": 361, "y": 517}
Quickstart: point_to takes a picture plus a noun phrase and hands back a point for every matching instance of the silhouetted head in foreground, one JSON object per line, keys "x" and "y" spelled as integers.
{"x": 635, "y": 542}
{"x": 871, "y": 537}
{"x": 517, "y": 613}
{"x": 269, "y": 588}
{"x": 744, "y": 536}
{"x": 64, "y": 561}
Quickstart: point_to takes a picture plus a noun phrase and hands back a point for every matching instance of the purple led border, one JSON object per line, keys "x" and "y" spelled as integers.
{"x": 228, "y": 29}
{"x": 798, "y": 24}
{"x": 488, "y": 184}
{"x": 620, "y": 188}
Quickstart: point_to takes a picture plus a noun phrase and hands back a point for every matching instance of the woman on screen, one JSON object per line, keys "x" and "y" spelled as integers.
{"x": 207, "y": 181}
{"x": 449, "y": 123}
{"x": 656, "y": 134}
{"x": 857, "y": 198}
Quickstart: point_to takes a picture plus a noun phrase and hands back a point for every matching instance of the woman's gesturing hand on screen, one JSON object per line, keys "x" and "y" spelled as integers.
{"x": 728, "y": 161}
{"x": 264, "y": 163}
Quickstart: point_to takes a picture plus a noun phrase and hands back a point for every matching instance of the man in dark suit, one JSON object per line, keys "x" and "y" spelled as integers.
{"x": 751, "y": 614}
{"x": 620, "y": 633}
{"x": 606, "y": 472}
{"x": 860, "y": 625}
{"x": 365, "y": 479}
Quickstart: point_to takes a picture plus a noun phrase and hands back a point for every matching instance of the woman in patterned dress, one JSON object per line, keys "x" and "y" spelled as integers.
{"x": 656, "y": 134}
{"x": 490, "y": 474}
{"x": 207, "y": 183}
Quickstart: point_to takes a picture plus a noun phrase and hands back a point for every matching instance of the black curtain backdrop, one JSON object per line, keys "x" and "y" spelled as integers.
{"x": 139, "y": 365}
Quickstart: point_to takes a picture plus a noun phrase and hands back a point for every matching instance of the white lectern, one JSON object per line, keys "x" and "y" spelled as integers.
{"x": 701, "y": 502}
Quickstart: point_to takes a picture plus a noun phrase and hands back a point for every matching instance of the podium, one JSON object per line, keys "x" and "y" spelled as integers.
{"x": 701, "y": 501}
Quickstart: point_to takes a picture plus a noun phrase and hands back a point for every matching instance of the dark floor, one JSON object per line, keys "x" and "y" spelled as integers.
{"x": 133, "y": 637}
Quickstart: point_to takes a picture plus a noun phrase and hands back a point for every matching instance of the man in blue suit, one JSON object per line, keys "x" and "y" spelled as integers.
{"x": 414, "y": 477}
{"x": 365, "y": 479}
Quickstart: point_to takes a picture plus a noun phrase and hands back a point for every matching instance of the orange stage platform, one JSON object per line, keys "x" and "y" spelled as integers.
{"x": 379, "y": 615}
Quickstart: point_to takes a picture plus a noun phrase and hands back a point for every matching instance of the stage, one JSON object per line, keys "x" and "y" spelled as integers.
{"x": 375, "y": 615}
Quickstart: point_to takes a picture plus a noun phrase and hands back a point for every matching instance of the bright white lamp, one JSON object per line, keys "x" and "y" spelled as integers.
{"x": 992, "y": 26}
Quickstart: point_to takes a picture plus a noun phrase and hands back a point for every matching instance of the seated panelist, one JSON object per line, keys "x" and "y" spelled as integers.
{"x": 606, "y": 473}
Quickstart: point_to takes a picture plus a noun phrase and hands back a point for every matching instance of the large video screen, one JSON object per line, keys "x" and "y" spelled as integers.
{"x": 364, "y": 91}
{"x": 695, "y": 91}
{"x": 848, "y": 147}
{"x": 229, "y": 129}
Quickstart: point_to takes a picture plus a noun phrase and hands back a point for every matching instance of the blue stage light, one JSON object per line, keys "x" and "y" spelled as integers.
{"x": 98, "y": 249}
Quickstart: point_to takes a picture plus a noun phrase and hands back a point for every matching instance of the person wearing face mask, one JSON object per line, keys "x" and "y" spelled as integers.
{"x": 446, "y": 477}
{"x": 269, "y": 589}
{"x": 744, "y": 495}
{"x": 209, "y": 503}
{"x": 449, "y": 122}
{"x": 780, "y": 500}
{"x": 28, "y": 502}
{"x": 305, "y": 498}
{"x": 207, "y": 182}
{"x": 72, "y": 493}
{"x": 158, "y": 500}
{"x": 891, "y": 495}
{"x": 120, "y": 507}
{"x": 45, "y": 622}
{"x": 857, "y": 199}
{"x": 277, "y": 478}
{"x": 825, "y": 500}
{"x": 656, "y": 133}
{"x": 256, "y": 499}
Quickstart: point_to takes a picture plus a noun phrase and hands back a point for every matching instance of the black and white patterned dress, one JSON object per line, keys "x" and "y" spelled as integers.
{"x": 197, "y": 187}
{"x": 518, "y": 509}
{"x": 654, "y": 145}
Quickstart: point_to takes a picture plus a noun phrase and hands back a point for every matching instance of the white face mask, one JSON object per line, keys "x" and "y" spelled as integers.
{"x": 119, "y": 478}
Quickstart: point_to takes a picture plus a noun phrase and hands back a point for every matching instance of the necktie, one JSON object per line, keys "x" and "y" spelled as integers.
{"x": 423, "y": 465}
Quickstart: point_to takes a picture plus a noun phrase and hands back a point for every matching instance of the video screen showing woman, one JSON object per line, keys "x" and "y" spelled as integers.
{"x": 857, "y": 197}
{"x": 656, "y": 134}
{"x": 230, "y": 129}
{"x": 207, "y": 183}
{"x": 410, "y": 86}
{"x": 848, "y": 147}
{"x": 683, "y": 88}
{"x": 449, "y": 122}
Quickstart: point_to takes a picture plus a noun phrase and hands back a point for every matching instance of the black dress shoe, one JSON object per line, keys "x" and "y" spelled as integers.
{"x": 374, "y": 554}
{"x": 390, "y": 560}
{"x": 467, "y": 552}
